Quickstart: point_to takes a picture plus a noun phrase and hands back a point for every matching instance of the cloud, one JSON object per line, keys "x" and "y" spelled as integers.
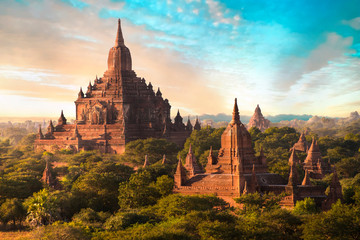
{"x": 217, "y": 12}
{"x": 201, "y": 56}
{"x": 354, "y": 23}
{"x": 333, "y": 48}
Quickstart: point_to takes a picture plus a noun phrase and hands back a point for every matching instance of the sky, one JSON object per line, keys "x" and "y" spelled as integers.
{"x": 291, "y": 57}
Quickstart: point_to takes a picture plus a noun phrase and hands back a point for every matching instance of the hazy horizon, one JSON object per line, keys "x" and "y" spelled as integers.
{"x": 297, "y": 58}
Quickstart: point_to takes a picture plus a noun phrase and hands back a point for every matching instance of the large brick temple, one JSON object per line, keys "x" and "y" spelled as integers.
{"x": 237, "y": 171}
{"x": 116, "y": 108}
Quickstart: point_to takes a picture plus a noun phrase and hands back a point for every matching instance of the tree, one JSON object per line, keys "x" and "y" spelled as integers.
{"x": 154, "y": 148}
{"x": 138, "y": 191}
{"x": 348, "y": 167}
{"x": 218, "y": 230}
{"x": 12, "y": 210}
{"x": 164, "y": 185}
{"x": 340, "y": 222}
{"x": 98, "y": 187}
{"x": 202, "y": 140}
{"x": 176, "y": 205}
{"x": 256, "y": 202}
{"x": 89, "y": 218}
{"x": 60, "y": 231}
{"x": 306, "y": 206}
{"x": 42, "y": 208}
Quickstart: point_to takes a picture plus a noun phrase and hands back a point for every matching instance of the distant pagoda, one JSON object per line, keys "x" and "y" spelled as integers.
{"x": 258, "y": 120}
{"x": 115, "y": 109}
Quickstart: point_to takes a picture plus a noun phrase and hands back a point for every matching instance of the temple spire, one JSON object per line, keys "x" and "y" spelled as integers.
{"x": 236, "y": 116}
{"x": 62, "y": 119}
{"x": 50, "y": 127}
{"x": 306, "y": 181}
{"x": 293, "y": 176}
{"x": 146, "y": 162}
{"x": 293, "y": 158}
{"x": 180, "y": 174}
{"x": 119, "y": 37}
{"x": 41, "y": 136}
{"x": 245, "y": 190}
{"x": 197, "y": 125}
{"x": 81, "y": 93}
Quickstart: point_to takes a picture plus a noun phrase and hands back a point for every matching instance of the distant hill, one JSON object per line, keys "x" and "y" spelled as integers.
{"x": 288, "y": 117}
{"x": 221, "y": 117}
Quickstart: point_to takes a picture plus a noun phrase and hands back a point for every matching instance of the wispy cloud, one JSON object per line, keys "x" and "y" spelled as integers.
{"x": 202, "y": 53}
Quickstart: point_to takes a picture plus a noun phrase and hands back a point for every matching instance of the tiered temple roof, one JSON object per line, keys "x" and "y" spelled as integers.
{"x": 121, "y": 101}
{"x": 236, "y": 171}
{"x": 314, "y": 163}
{"x": 258, "y": 120}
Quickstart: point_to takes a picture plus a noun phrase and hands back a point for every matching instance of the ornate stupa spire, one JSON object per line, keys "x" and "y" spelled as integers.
{"x": 50, "y": 127}
{"x": 76, "y": 134}
{"x": 41, "y": 136}
{"x": 190, "y": 163}
{"x": 158, "y": 93}
{"x": 178, "y": 118}
{"x": 301, "y": 144}
{"x": 293, "y": 158}
{"x": 180, "y": 174}
{"x": 119, "y": 41}
{"x": 306, "y": 181}
{"x": 245, "y": 190}
{"x": 210, "y": 157}
{"x": 197, "y": 125}
{"x": 62, "y": 119}
{"x": 47, "y": 177}
{"x": 119, "y": 58}
{"x": 257, "y": 120}
{"x": 236, "y": 115}
{"x": 81, "y": 93}
{"x": 293, "y": 177}
{"x": 189, "y": 127}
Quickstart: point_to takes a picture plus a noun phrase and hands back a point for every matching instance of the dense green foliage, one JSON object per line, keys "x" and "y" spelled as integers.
{"x": 201, "y": 141}
{"x": 152, "y": 147}
{"x": 101, "y": 196}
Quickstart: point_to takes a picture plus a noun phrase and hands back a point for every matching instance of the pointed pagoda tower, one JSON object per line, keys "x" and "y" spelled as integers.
{"x": 47, "y": 177}
{"x": 40, "y": 134}
{"x": 191, "y": 165}
{"x": 180, "y": 175}
{"x": 62, "y": 119}
{"x": 314, "y": 163}
{"x": 124, "y": 103}
{"x": 292, "y": 187}
{"x": 189, "y": 126}
{"x": 258, "y": 120}
{"x": 211, "y": 161}
{"x": 197, "y": 125}
{"x": 236, "y": 148}
{"x": 306, "y": 181}
{"x": 301, "y": 144}
{"x": 335, "y": 192}
{"x": 293, "y": 158}
{"x": 179, "y": 125}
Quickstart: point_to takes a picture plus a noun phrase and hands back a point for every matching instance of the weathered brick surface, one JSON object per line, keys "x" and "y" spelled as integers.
{"x": 116, "y": 108}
